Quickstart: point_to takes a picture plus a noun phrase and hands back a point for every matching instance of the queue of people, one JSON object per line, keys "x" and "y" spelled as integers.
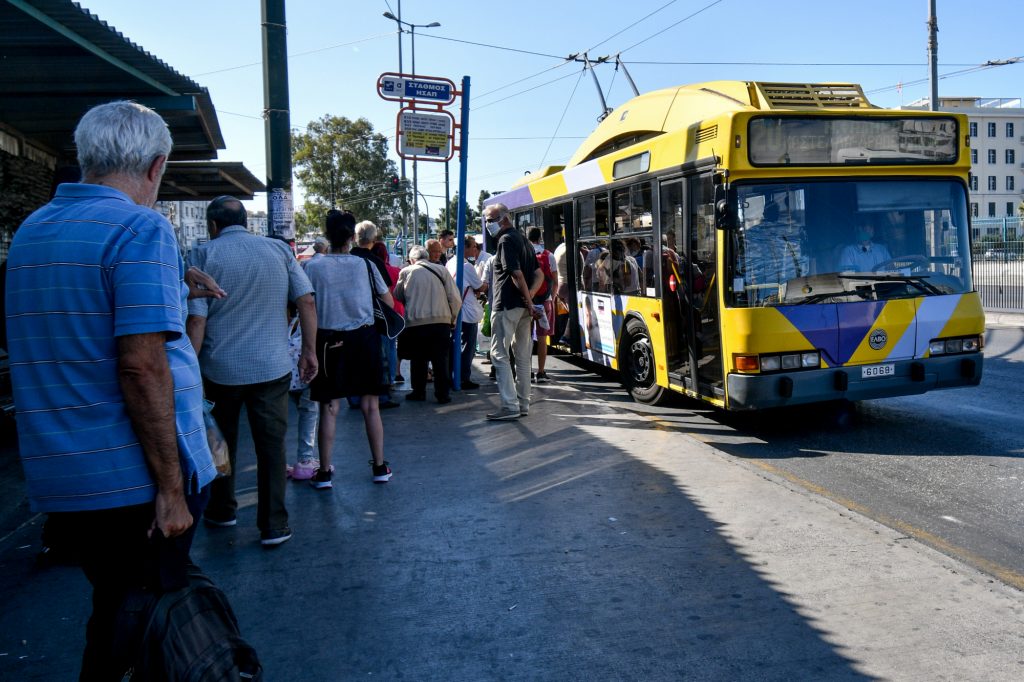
{"x": 241, "y": 325}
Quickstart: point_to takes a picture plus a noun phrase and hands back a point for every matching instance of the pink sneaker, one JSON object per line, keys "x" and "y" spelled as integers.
{"x": 303, "y": 471}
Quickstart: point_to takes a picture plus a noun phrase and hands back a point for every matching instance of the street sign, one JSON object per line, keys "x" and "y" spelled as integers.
{"x": 397, "y": 87}
{"x": 425, "y": 136}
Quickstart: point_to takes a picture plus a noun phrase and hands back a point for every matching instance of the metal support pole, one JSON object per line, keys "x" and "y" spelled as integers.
{"x": 277, "y": 126}
{"x": 405, "y": 205}
{"x": 933, "y": 55}
{"x": 415, "y": 178}
{"x": 447, "y": 200}
{"x": 460, "y": 249}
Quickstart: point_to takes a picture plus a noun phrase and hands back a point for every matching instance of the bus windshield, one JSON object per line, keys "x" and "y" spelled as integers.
{"x": 825, "y": 241}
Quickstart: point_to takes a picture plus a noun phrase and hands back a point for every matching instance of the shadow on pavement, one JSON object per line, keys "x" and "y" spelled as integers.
{"x": 549, "y": 548}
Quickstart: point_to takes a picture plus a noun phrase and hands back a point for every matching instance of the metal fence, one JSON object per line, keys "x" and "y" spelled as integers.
{"x": 998, "y": 257}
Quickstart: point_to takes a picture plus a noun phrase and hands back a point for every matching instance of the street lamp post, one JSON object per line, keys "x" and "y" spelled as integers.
{"x": 415, "y": 179}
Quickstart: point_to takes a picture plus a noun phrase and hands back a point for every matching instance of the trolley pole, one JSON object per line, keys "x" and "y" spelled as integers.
{"x": 277, "y": 126}
{"x": 933, "y": 54}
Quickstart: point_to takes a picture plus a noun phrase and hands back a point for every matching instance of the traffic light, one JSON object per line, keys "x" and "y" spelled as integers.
{"x": 394, "y": 183}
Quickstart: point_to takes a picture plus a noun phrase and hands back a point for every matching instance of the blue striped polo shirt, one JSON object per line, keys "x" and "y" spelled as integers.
{"x": 89, "y": 267}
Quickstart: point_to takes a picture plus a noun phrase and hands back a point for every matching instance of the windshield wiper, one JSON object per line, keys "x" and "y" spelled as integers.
{"x": 916, "y": 281}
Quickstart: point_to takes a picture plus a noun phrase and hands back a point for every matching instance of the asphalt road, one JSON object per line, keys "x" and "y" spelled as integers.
{"x": 945, "y": 468}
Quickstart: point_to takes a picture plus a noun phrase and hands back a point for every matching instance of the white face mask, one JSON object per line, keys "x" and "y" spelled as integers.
{"x": 493, "y": 228}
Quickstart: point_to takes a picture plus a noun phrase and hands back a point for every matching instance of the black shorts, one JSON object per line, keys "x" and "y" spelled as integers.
{"x": 350, "y": 364}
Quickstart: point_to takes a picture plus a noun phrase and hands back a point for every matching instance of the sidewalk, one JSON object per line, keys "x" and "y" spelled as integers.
{"x": 587, "y": 541}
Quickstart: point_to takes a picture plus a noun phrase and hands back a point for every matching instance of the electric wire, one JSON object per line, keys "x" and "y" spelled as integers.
{"x": 671, "y": 26}
{"x": 562, "y": 118}
{"x": 621, "y": 31}
{"x": 297, "y": 54}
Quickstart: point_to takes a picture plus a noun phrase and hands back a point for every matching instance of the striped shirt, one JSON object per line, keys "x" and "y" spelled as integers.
{"x": 89, "y": 267}
{"x": 246, "y": 339}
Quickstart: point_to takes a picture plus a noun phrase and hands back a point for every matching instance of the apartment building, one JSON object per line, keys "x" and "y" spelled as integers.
{"x": 996, "y": 130}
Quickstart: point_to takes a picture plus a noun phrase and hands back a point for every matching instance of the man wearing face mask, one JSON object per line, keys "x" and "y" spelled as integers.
{"x": 516, "y": 280}
{"x": 864, "y": 255}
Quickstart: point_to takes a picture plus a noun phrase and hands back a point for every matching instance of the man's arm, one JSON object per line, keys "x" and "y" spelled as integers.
{"x": 145, "y": 378}
{"x": 526, "y": 292}
{"x": 202, "y": 285}
{"x": 195, "y": 327}
{"x": 307, "y": 323}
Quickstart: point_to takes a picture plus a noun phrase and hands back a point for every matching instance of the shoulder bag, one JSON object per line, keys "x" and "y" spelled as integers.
{"x": 385, "y": 319}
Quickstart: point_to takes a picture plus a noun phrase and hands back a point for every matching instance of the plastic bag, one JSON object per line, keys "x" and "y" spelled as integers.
{"x": 215, "y": 439}
{"x": 486, "y": 328}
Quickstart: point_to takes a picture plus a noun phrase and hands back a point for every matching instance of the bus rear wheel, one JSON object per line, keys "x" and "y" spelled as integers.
{"x": 637, "y": 364}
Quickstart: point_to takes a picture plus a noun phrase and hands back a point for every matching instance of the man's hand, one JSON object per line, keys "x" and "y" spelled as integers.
{"x": 172, "y": 515}
{"x": 308, "y": 366}
{"x": 201, "y": 285}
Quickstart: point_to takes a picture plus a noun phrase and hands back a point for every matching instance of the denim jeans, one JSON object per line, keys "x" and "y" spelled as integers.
{"x": 266, "y": 406}
{"x": 510, "y": 332}
{"x": 309, "y": 417}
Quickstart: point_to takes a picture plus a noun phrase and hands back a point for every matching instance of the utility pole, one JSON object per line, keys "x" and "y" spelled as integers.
{"x": 933, "y": 54}
{"x": 277, "y": 120}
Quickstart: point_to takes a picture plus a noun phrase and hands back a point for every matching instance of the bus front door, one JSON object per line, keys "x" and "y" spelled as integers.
{"x": 558, "y": 225}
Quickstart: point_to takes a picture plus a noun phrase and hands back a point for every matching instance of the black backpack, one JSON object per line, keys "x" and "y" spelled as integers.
{"x": 188, "y": 635}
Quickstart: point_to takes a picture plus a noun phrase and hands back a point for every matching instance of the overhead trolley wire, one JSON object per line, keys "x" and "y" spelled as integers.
{"x": 671, "y": 26}
{"x": 562, "y": 118}
{"x": 991, "y": 64}
{"x": 621, "y": 31}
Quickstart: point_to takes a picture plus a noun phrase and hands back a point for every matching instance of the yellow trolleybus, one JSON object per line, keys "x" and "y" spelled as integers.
{"x": 758, "y": 244}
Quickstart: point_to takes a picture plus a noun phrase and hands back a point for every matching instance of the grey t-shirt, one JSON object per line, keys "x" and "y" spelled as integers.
{"x": 342, "y": 284}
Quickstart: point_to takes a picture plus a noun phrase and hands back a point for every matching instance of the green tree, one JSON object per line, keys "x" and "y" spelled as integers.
{"x": 453, "y": 208}
{"x": 344, "y": 163}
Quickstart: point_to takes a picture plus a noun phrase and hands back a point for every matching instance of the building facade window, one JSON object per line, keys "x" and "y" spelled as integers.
{"x": 991, "y": 209}
{"x": 1009, "y": 209}
{"x": 973, "y": 128}
{"x": 1010, "y": 156}
{"x": 1009, "y": 129}
{"x": 991, "y": 155}
{"x": 974, "y": 209}
{"x": 991, "y": 129}
{"x": 1009, "y": 183}
{"x": 974, "y": 183}
{"x": 974, "y": 156}
{"x": 992, "y": 183}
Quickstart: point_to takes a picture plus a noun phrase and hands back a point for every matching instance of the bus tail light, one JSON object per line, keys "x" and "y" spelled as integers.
{"x": 672, "y": 283}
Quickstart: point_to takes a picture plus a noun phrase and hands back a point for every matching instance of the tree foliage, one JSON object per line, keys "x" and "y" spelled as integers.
{"x": 472, "y": 215}
{"x": 344, "y": 163}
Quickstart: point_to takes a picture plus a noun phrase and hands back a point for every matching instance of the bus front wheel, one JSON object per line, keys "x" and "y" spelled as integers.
{"x": 637, "y": 364}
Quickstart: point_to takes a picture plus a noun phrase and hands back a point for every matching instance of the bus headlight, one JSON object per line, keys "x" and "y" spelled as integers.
{"x": 964, "y": 344}
{"x": 786, "y": 361}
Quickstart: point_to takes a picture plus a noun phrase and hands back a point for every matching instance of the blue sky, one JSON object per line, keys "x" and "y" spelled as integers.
{"x": 526, "y": 108}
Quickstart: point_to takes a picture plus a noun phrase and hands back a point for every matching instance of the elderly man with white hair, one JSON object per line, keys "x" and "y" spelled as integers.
{"x": 109, "y": 396}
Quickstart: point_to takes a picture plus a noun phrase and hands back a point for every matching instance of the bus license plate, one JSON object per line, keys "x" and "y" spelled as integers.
{"x": 873, "y": 371}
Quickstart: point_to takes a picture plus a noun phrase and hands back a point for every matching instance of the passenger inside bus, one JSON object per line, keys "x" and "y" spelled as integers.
{"x": 616, "y": 271}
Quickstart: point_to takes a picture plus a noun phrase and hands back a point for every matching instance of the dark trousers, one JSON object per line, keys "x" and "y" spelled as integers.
{"x": 266, "y": 406}
{"x": 464, "y": 363}
{"x": 429, "y": 343}
{"x": 118, "y": 557}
